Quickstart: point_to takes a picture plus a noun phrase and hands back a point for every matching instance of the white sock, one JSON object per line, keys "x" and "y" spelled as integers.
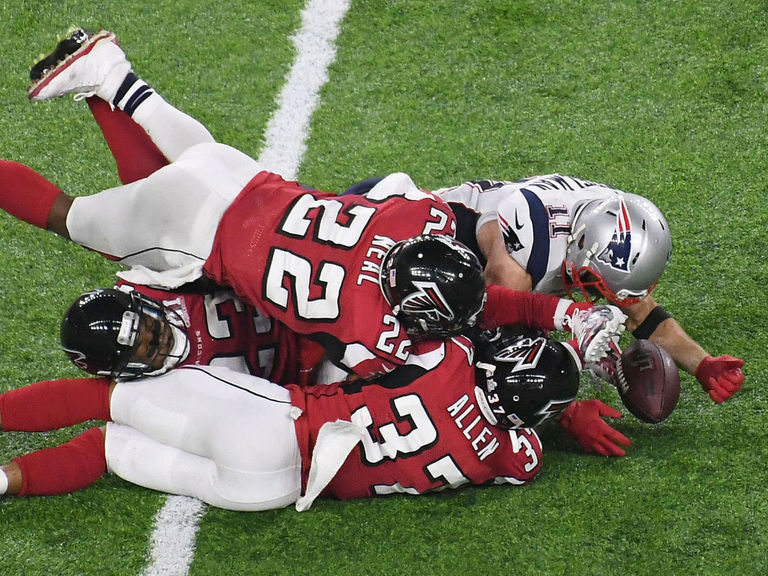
{"x": 130, "y": 93}
{"x": 171, "y": 130}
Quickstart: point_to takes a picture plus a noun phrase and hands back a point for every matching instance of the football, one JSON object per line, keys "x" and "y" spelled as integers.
{"x": 648, "y": 381}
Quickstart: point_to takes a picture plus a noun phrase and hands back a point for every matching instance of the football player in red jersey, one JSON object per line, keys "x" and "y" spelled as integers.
{"x": 138, "y": 153}
{"x": 308, "y": 259}
{"x": 243, "y": 443}
{"x": 325, "y": 266}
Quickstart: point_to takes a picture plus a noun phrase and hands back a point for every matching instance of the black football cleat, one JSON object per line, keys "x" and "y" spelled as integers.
{"x": 64, "y": 48}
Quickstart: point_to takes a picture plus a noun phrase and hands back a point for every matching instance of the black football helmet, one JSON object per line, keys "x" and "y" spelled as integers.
{"x": 522, "y": 377}
{"x": 434, "y": 284}
{"x": 101, "y": 332}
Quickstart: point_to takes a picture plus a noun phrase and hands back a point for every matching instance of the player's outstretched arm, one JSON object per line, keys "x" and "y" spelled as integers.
{"x": 720, "y": 377}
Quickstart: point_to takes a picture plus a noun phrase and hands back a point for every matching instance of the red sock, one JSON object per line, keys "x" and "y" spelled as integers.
{"x": 25, "y": 194}
{"x": 65, "y": 468}
{"x": 54, "y": 404}
{"x": 135, "y": 154}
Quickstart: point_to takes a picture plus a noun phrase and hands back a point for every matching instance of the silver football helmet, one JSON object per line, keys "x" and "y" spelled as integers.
{"x": 618, "y": 248}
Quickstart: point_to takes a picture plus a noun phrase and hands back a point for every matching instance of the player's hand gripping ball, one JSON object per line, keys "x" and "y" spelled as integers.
{"x": 648, "y": 381}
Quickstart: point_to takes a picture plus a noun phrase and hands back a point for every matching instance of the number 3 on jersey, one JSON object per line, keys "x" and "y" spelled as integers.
{"x": 385, "y": 443}
{"x": 392, "y": 445}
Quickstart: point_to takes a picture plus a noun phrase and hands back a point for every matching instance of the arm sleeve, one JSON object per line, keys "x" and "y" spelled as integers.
{"x": 54, "y": 404}
{"x": 506, "y": 306}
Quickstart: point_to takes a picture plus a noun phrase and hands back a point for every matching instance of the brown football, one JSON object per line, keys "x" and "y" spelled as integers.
{"x": 648, "y": 381}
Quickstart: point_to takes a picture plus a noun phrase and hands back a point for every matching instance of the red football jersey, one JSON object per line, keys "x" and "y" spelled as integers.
{"x": 223, "y": 331}
{"x": 311, "y": 260}
{"x": 424, "y": 432}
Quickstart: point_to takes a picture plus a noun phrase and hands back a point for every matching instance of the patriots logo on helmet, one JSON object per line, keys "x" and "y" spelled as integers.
{"x": 524, "y": 354}
{"x": 617, "y": 253}
{"x": 427, "y": 301}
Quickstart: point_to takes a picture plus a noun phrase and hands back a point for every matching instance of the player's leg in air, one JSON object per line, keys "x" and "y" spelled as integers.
{"x": 143, "y": 131}
{"x": 164, "y": 221}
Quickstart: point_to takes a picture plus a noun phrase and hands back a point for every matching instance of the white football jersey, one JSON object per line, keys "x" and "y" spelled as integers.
{"x": 534, "y": 216}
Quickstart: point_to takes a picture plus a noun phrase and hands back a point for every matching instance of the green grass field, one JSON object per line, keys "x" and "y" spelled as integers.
{"x": 665, "y": 99}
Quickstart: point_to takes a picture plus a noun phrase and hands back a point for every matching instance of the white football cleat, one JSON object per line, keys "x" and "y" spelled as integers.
{"x": 595, "y": 328}
{"x": 82, "y": 64}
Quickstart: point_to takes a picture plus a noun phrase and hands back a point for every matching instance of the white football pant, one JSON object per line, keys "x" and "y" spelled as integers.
{"x": 168, "y": 220}
{"x": 209, "y": 432}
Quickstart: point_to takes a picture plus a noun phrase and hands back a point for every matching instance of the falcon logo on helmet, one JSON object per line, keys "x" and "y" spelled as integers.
{"x": 427, "y": 301}
{"x": 525, "y": 354}
{"x": 618, "y": 250}
{"x": 514, "y": 396}
{"x": 79, "y": 359}
{"x": 553, "y": 408}
{"x": 434, "y": 284}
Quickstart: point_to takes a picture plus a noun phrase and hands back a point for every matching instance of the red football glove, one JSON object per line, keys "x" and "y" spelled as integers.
{"x": 720, "y": 377}
{"x": 583, "y": 421}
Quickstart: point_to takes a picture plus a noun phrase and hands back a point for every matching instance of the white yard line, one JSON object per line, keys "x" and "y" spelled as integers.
{"x": 315, "y": 42}
{"x": 172, "y": 544}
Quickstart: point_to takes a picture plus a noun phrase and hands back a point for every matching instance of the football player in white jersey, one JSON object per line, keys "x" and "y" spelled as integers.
{"x": 558, "y": 234}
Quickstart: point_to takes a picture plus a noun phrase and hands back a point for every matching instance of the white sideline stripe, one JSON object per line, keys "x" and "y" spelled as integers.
{"x": 172, "y": 544}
